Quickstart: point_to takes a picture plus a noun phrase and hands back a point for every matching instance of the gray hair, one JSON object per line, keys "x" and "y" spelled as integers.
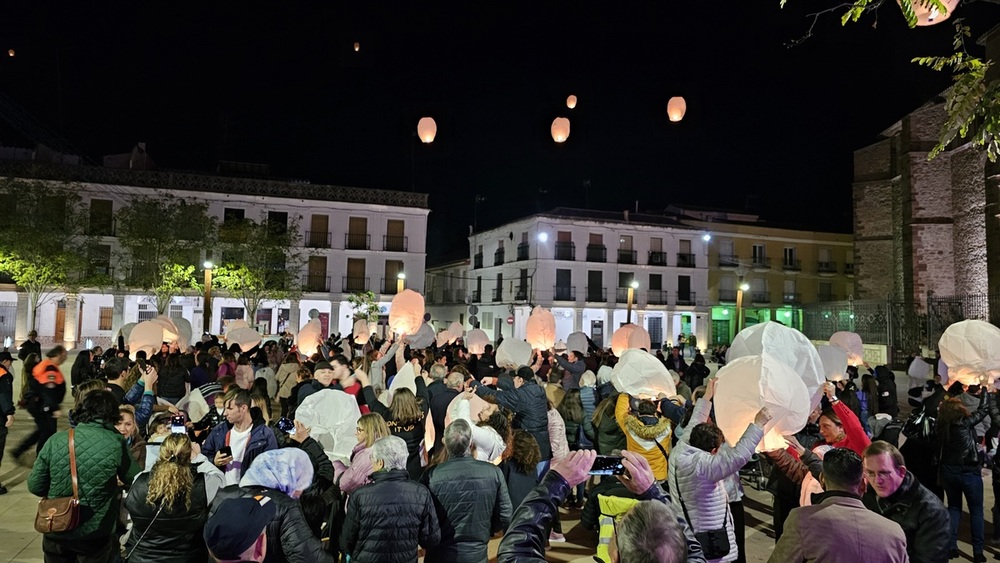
{"x": 454, "y": 380}
{"x": 438, "y": 372}
{"x": 649, "y": 533}
{"x": 391, "y": 451}
{"x": 588, "y": 379}
{"x": 457, "y": 438}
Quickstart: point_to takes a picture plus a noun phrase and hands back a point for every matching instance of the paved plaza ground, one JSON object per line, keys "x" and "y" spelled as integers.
{"x": 20, "y": 543}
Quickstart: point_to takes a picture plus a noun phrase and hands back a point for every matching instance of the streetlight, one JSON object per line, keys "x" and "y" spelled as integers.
{"x": 744, "y": 286}
{"x": 400, "y": 282}
{"x": 631, "y": 294}
{"x": 207, "y": 316}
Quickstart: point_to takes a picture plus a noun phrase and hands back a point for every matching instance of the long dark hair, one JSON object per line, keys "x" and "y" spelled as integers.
{"x": 526, "y": 453}
{"x": 571, "y": 407}
{"x": 950, "y": 411}
{"x": 869, "y": 386}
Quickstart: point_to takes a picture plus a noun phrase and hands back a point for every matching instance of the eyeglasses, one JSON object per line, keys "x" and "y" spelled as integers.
{"x": 878, "y": 474}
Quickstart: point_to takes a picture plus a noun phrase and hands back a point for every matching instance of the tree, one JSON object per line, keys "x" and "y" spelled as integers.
{"x": 260, "y": 262}
{"x": 365, "y": 305}
{"x": 175, "y": 280}
{"x": 43, "y": 239}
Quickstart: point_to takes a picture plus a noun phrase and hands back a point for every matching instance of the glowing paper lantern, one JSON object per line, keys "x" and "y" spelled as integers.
{"x": 834, "y": 361}
{"x": 540, "y": 330}
{"x": 406, "y": 313}
{"x": 146, "y": 336}
{"x": 560, "y": 129}
{"x": 239, "y": 323}
{"x": 627, "y": 337}
{"x": 927, "y": 14}
{"x": 850, "y": 343}
{"x": 512, "y": 354}
{"x": 676, "y": 108}
{"x": 750, "y": 383}
{"x": 919, "y": 372}
{"x": 427, "y": 129}
{"x": 170, "y": 332}
{"x": 125, "y": 331}
{"x": 559, "y": 346}
{"x": 357, "y": 46}
{"x": 10, "y": 52}
{"x": 476, "y": 341}
{"x": 476, "y": 403}
{"x": 971, "y": 349}
{"x": 455, "y": 331}
{"x": 332, "y": 416}
{"x": 577, "y": 341}
{"x": 361, "y": 332}
{"x": 309, "y": 337}
{"x": 247, "y": 338}
{"x": 184, "y": 334}
{"x": 641, "y": 374}
{"x": 571, "y": 102}
{"x": 442, "y": 338}
{"x": 423, "y": 338}
{"x": 405, "y": 377}
{"x": 786, "y": 345}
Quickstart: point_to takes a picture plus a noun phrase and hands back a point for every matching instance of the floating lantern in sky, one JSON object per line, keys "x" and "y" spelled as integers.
{"x": 571, "y": 102}
{"x": 560, "y": 129}
{"x": 929, "y": 14}
{"x": 676, "y": 108}
{"x": 406, "y": 313}
{"x": 357, "y": 46}
{"x": 10, "y": 52}
{"x": 427, "y": 129}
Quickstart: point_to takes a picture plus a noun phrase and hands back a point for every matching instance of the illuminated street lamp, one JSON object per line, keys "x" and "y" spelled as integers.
{"x": 400, "y": 282}
{"x": 744, "y": 286}
{"x": 207, "y": 316}
{"x": 631, "y": 294}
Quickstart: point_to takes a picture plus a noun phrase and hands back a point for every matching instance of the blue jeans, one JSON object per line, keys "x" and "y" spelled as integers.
{"x": 960, "y": 480}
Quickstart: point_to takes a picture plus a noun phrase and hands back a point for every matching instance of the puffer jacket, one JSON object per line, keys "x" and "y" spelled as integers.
{"x": 171, "y": 382}
{"x": 642, "y": 437}
{"x": 353, "y": 477}
{"x": 176, "y": 534}
{"x": 699, "y": 476}
{"x": 557, "y": 435}
{"x": 608, "y": 435}
{"x": 101, "y": 457}
{"x": 922, "y": 516}
{"x": 959, "y": 442}
{"x": 472, "y": 504}
{"x": 530, "y": 407}
{"x": 888, "y": 402}
{"x": 589, "y": 404}
{"x": 286, "y": 379}
{"x": 388, "y": 519}
{"x": 289, "y": 538}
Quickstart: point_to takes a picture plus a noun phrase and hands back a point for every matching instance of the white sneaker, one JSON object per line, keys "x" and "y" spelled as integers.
{"x": 556, "y": 537}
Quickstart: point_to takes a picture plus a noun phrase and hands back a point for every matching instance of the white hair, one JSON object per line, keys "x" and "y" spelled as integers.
{"x": 588, "y": 379}
{"x": 604, "y": 375}
{"x": 391, "y": 450}
{"x": 649, "y": 531}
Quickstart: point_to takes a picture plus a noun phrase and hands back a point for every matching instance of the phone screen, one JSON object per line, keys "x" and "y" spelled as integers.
{"x": 607, "y": 465}
{"x": 177, "y": 425}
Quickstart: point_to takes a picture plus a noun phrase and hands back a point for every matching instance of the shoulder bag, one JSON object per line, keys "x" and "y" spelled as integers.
{"x": 61, "y": 514}
{"x": 714, "y": 543}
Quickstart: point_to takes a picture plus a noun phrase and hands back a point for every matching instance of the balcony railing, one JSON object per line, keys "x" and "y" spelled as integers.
{"x": 657, "y": 258}
{"x": 686, "y": 298}
{"x": 761, "y": 262}
{"x": 353, "y": 284}
{"x": 760, "y": 297}
{"x": 477, "y": 261}
{"x": 621, "y": 295}
{"x": 95, "y": 270}
{"x": 395, "y": 243}
{"x": 521, "y": 294}
{"x": 729, "y": 261}
{"x": 849, "y": 269}
{"x": 728, "y": 295}
{"x": 498, "y": 258}
{"x": 565, "y": 251}
{"x": 318, "y": 239}
{"x": 497, "y": 294}
{"x": 685, "y": 260}
{"x": 791, "y": 298}
{"x": 597, "y": 253}
{"x": 106, "y": 228}
{"x": 627, "y": 256}
{"x": 826, "y": 297}
{"x": 597, "y": 294}
{"x": 477, "y": 296}
{"x": 390, "y": 286}
{"x": 656, "y": 297}
{"x": 564, "y": 293}
{"x": 355, "y": 241}
{"x": 826, "y": 267}
{"x": 522, "y": 251}
{"x": 791, "y": 265}
{"x": 316, "y": 282}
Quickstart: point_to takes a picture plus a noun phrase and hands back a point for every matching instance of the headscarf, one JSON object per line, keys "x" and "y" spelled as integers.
{"x": 286, "y": 469}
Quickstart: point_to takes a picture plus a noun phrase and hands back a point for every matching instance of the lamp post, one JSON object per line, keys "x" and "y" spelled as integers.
{"x": 207, "y": 315}
{"x": 744, "y": 286}
{"x": 400, "y": 282}
{"x": 634, "y": 285}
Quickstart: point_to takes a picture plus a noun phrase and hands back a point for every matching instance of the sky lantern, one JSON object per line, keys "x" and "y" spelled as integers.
{"x": 629, "y": 336}
{"x": 676, "y": 108}
{"x": 928, "y": 14}
{"x": 786, "y": 345}
{"x": 851, "y": 343}
{"x": 357, "y": 46}
{"x": 571, "y": 101}
{"x": 970, "y": 349}
{"x": 512, "y": 354}
{"x": 406, "y": 313}
{"x": 427, "y": 129}
{"x": 476, "y": 341}
{"x": 540, "y": 331}
{"x": 641, "y": 374}
{"x": 560, "y": 129}
{"x": 10, "y": 52}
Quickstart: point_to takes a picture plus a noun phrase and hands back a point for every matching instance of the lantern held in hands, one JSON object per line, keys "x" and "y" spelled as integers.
{"x": 834, "y": 360}
{"x": 786, "y": 345}
{"x": 406, "y": 313}
{"x": 247, "y": 338}
{"x": 476, "y": 341}
{"x": 540, "y": 330}
{"x": 851, "y": 343}
{"x": 642, "y": 374}
{"x": 971, "y": 349}
{"x": 577, "y": 341}
{"x": 512, "y": 354}
{"x": 362, "y": 334}
{"x": 629, "y": 336}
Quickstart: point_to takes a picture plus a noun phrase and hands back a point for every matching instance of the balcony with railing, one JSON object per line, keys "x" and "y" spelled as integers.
{"x": 760, "y": 263}
{"x": 656, "y": 297}
{"x": 352, "y": 284}
{"x": 627, "y": 256}
{"x": 497, "y": 294}
{"x": 316, "y": 282}
{"x": 791, "y": 298}
{"x": 621, "y": 295}
{"x": 564, "y": 293}
{"x": 103, "y": 270}
{"x": 729, "y": 261}
{"x": 762, "y": 297}
{"x": 686, "y": 298}
{"x": 521, "y": 294}
{"x": 597, "y": 253}
{"x": 657, "y": 258}
{"x": 395, "y": 243}
{"x": 685, "y": 260}
{"x": 826, "y": 267}
{"x": 522, "y": 251}
{"x": 597, "y": 294}
{"x": 791, "y": 265}
{"x": 318, "y": 239}
{"x": 826, "y": 297}
{"x": 477, "y": 261}
{"x": 565, "y": 250}
{"x": 498, "y": 257}
{"x": 357, "y": 241}
{"x": 390, "y": 286}
{"x": 728, "y": 295}
{"x": 477, "y": 296}
{"x": 849, "y": 268}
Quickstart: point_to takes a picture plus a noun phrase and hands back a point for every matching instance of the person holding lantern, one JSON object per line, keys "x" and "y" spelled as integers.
{"x": 839, "y": 426}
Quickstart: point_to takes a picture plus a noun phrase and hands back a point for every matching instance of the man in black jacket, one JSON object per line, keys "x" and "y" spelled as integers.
{"x": 528, "y": 402}
{"x": 30, "y": 346}
{"x": 471, "y": 500}
{"x": 651, "y": 530}
{"x": 6, "y": 402}
{"x": 453, "y": 384}
{"x": 896, "y": 494}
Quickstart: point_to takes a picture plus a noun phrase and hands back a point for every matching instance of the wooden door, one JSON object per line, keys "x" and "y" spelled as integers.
{"x": 60, "y": 322}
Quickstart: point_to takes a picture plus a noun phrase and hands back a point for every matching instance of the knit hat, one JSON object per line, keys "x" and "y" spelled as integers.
{"x": 237, "y": 524}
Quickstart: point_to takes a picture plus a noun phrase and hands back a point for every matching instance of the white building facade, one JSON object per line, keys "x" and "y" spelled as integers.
{"x": 580, "y": 264}
{"x": 353, "y": 240}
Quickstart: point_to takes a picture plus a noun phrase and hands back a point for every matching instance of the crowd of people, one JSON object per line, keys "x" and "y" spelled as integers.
{"x": 512, "y": 449}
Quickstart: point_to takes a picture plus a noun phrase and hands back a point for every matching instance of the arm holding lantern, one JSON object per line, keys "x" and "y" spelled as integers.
{"x": 730, "y": 459}
{"x": 377, "y": 369}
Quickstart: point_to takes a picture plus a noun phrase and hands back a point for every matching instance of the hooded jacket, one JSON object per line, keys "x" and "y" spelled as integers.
{"x": 921, "y": 514}
{"x": 888, "y": 402}
{"x": 642, "y": 434}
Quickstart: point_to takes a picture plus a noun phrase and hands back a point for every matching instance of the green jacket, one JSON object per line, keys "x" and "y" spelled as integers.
{"x": 102, "y": 458}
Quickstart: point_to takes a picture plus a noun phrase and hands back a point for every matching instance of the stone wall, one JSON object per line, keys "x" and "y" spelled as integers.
{"x": 968, "y": 201}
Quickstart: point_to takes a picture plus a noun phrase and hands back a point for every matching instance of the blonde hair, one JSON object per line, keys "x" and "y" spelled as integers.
{"x": 171, "y": 478}
{"x": 404, "y": 407}
{"x": 374, "y": 426}
{"x": 259, "y": 401}
{"x": 130, "y": 410}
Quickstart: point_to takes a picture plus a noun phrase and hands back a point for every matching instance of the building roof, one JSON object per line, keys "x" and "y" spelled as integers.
{"x": 196, "y": 182}
{"x": 613, "y": 217}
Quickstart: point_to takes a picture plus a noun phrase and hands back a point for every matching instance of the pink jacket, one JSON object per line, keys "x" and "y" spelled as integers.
{"x": 244, "y": 377}
{"x": 353, "y": 477}
{"x": 557, "y": 435}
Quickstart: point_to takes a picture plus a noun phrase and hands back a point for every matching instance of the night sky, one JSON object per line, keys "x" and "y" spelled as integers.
{"x": 767, "y": 127}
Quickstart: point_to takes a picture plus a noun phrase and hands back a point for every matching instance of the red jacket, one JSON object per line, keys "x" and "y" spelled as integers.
{"x": 855, "y": 437}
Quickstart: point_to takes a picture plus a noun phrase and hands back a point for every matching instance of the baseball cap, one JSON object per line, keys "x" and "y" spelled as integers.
{"x": 237, "y": 524}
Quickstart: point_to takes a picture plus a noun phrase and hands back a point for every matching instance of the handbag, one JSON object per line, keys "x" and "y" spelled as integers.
{"x": 61, "y": 514}
{"x": 714, "y": 543}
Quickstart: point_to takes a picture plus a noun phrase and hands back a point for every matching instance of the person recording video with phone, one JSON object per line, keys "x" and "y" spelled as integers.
{"x": 234, "y": 445}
